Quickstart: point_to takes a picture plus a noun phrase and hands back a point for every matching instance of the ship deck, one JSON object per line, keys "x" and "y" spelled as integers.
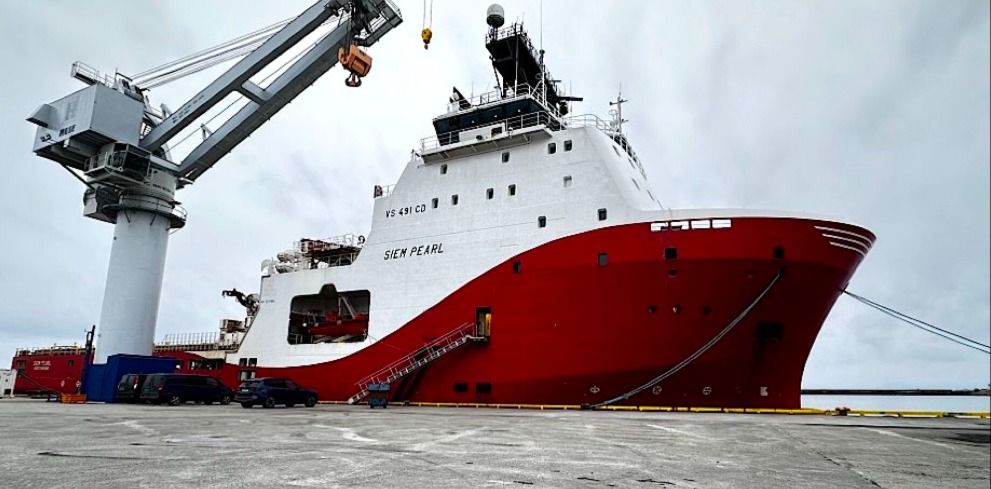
{"x": 345, "y": 446}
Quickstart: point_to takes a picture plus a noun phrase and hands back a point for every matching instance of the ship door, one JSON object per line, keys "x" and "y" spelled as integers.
{"x": 483, "y": 321}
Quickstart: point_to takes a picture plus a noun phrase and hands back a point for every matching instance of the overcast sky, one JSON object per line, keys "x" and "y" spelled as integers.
{"x": 874, "y": 112}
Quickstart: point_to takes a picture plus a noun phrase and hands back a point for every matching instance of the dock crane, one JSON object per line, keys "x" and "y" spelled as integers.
{"x": 110, "y": 137}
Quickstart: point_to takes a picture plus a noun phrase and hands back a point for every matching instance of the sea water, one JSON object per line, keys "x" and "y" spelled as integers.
{"x": 955, "y": 404}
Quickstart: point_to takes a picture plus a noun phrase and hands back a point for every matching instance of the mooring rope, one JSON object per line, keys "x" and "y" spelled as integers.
{"x": 924, "y": 326}
{"x": 684, "y": 363}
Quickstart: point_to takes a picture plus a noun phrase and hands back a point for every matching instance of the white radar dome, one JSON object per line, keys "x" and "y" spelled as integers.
{"x": 495, "y": 17}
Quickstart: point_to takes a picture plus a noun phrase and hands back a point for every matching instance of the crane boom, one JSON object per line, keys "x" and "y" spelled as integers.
{"x": 266, "y": 102}
{"x": 108, "y": 132}
{"x": 237, "y": 78}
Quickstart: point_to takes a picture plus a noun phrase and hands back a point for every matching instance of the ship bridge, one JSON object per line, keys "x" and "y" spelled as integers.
{"x": 526, "y": 104}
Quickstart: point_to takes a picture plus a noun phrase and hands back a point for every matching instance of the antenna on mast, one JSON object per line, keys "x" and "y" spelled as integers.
{"x": 618, "y": 121}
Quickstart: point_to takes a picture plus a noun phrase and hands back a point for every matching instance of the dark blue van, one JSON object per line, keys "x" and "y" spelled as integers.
{"x": 176, "y": 389}
{"x": 270, "y": 391}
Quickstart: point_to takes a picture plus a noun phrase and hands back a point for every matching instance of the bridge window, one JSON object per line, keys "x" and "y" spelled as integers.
{"x": 567, "y": 145}
{"x": 512, "y": 190}
{"x": 443, "y": 169}
{"x": 551, "y": 148}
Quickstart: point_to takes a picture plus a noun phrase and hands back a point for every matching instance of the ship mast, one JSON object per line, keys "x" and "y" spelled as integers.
{"x": 618, "y": 120}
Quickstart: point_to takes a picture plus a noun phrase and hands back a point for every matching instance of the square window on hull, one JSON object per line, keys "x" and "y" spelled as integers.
{"x": 770, "y": 330}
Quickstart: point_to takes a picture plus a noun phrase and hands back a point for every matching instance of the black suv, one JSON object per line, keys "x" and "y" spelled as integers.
{"x": 129, "y": 387}
{"x": 270, "y": 391}
{"x": 176, "y": 389}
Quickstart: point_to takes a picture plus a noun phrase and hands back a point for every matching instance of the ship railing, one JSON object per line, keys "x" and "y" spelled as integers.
{"x": 608, "y": 128}
{"x": 510, "y": 124}
{"x": 49, "y": 350}
{"x": 520, "y": 90}
{"x": 197, "y": 342}
{"x": 410, "y": 362}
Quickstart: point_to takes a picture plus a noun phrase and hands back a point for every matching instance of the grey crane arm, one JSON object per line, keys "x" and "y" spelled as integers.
{"x": 360, "y": 22}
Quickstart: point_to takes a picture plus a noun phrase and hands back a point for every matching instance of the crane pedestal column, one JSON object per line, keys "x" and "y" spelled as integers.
{"x": 134, "y": 276}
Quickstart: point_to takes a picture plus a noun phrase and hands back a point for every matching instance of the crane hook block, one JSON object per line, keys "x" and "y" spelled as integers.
{"x": 426, "y": 35}
{"x": 358, "y": 62}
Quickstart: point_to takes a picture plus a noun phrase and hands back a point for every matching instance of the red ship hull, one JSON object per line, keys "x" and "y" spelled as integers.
{"x": 567, "y": 330}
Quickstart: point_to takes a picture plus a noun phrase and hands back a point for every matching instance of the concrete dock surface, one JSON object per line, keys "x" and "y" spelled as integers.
{"x": 95, "y": 445}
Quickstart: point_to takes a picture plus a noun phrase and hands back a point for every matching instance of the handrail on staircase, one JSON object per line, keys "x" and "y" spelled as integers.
{"x": 404, "y": 365}
{"x": 393, "y": 367}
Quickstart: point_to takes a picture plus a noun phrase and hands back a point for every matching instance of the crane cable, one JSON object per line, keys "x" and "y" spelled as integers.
{"x": 924, "y": 326}
{"x": 428, "y": 19}
{"x": 210, "y": 57}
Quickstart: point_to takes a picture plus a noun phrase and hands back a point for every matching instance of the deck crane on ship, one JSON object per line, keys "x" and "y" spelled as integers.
{"x": 110, "y": 137}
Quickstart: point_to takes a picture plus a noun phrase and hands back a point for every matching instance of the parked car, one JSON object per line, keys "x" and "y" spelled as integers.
{"x": 270, "y": 391}
{"x": 176, "y": 389}
{"x": 129, "y": 387}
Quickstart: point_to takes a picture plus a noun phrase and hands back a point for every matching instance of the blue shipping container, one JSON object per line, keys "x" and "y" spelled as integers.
{"x": 100, "y": 383}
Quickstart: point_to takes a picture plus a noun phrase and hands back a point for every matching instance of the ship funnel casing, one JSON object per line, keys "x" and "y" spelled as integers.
{"x": 495, "y": 16}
